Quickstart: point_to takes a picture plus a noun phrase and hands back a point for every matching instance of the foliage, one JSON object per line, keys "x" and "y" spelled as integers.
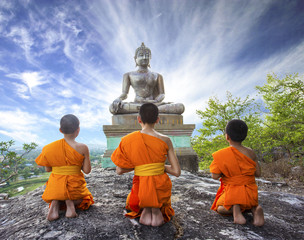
{"x": 25, "y": 173}
{"x": 215, "y": 118}
{"x": 205, "y": 147}
{"x": 10, "y": 161}
{"x": 279, "y": 127}
{"x": 284, "y": 100}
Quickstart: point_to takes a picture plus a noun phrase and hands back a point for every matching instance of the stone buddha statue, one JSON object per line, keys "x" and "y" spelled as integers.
{"x": 148, "y": 87}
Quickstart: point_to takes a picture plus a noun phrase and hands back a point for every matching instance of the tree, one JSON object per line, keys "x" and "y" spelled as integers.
{"x": 284, "y": 100}
{"x": 25, "y": 173}
{"x": 10, "y": 160}
{"x": 37, "y": 170}
{"x": 215, "y": 118}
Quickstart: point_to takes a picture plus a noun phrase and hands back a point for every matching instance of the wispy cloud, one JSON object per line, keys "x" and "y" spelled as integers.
{"x": 70, "y": 57}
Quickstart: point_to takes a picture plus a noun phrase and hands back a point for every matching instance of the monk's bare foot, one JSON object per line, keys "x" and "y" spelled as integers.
{"x": 53, "y": 213}
{"x": 157, "y": 217}
{"x": 146, "y": 216}
{"x": 224, "y": 211}
{"x": 237, "y": 215}
{"x": 258, "y": 216}
{"x": 70, "y": 212}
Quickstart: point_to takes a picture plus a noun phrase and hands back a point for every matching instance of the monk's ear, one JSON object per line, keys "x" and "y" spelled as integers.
{"x": 139, "y": 119}
{"x": 227, "y": 137}
{"x": 157, "y": 120}
{"x": 60, "y": 130}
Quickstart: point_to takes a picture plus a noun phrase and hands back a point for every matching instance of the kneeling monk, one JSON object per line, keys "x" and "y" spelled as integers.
{"x": 145, "y": 152}
{"x": 237, "y": 166}
{"x": 66, "y": 158}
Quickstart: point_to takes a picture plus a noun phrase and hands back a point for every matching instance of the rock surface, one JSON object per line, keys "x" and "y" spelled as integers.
{"x": 24, "y": 217}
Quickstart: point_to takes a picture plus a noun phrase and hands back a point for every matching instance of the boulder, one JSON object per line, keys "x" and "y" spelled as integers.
{"x": 24, "y": 217}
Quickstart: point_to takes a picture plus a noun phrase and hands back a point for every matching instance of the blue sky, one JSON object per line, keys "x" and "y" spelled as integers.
{"x": 59, "y": 57}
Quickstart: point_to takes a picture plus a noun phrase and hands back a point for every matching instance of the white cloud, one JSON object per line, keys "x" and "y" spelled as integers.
{"x": 31, "y": 79}
{"x": 22, "y": 90}
{"x": 22, "y": 37}
{"x": 67, "y": 93}
{"x": 56, "y": 109}
{"x": 3, "y": 68}
{"x": 6, "y": 5}
{"x": 17, "y": 120}
{"x": 22, "y": 136}
{"x": 22, "y": 126}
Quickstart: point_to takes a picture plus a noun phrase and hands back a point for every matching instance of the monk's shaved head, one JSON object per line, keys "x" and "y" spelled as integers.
{"x": 237, "y": 130}
{"x": 148, "y": 113}
{"x": 69, "y": 124}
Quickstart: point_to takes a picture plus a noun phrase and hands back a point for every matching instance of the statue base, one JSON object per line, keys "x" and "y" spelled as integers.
{"x": 131, "y": 119}
{"x": 169, "y": 124}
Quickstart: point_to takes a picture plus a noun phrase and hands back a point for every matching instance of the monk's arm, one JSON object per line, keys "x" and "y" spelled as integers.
{"x": 48, "y": 169}
{"x": 258, "y": 167}
{"x": 121, "y": 171}
{"x": 173, "y": 169}
{"x": 215, "y": 171}
{"x": 86, "y": 166}
{"x": 216, "y": 176}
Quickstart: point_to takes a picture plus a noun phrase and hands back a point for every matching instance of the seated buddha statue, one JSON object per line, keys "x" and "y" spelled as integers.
{"x": 148, "y": 87}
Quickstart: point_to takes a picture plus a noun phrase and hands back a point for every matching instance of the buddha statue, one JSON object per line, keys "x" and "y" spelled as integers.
{"x": 148, "y": 87}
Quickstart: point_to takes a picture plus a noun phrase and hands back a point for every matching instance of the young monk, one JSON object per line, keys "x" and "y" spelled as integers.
{"x": 237, "y": 166}
{"x": 66, "y": 158}
{"x": 145, "y": 152}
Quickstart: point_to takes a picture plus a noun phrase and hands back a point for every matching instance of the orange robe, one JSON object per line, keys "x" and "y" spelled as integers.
{"x": 238, "y": 181}
{"x": 63, "y": 187}
{"x": 137, "y": 149}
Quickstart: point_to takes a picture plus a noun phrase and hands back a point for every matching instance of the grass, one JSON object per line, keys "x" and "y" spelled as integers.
{"x": 29, "y": 185}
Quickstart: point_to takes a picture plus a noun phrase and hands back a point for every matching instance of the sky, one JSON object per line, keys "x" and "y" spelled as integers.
{"x": 59, "y": 57}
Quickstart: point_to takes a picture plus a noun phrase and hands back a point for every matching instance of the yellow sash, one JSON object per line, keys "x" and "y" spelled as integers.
{"x": 66, "y": 170}
{"x": 151, "y": 169}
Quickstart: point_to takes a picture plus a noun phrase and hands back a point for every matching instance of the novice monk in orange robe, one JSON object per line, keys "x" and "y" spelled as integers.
{"x": 145, "y": 152}
{"x": 237, "y": 166}
{"x": 66, "y": 158}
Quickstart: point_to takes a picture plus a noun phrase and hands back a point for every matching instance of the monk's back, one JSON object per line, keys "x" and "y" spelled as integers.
{"x": 143, "y": 148}
{"x": 246, "y": 151}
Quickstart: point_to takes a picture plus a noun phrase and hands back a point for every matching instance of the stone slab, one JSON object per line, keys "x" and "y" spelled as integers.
{"x": 167, "y": 129}
{"x": 131, "y": 119}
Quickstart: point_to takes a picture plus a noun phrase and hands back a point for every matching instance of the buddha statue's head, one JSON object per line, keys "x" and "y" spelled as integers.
{"x": 142, "y": 55}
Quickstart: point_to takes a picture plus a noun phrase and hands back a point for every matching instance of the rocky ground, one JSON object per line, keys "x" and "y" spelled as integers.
{"x": 24, "y": 217}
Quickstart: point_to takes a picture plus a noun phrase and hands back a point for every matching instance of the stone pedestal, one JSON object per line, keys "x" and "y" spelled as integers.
{"x": 169, "y": 124}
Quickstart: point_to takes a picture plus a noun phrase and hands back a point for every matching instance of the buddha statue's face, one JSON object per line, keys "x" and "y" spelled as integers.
{"x": 142, "y": 58}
